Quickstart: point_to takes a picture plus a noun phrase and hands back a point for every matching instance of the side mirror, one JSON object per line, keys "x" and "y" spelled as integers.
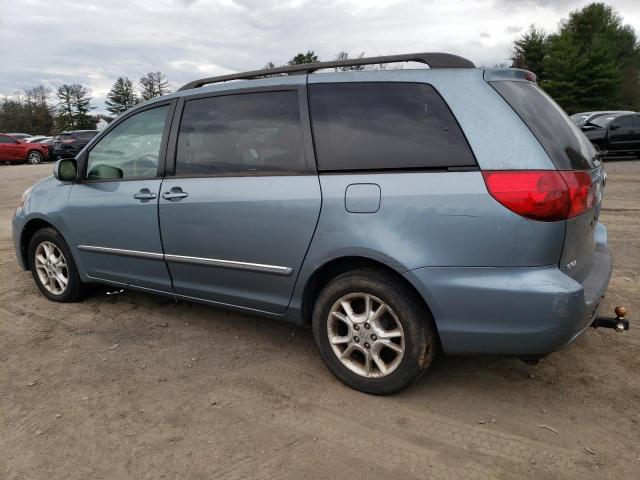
{"x": 614, "y": 126}
{"x": 586, "y": 128}
{"x": 65, "y": 170}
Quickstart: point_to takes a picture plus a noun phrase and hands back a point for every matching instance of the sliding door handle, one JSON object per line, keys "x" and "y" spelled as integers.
{"x": 175, "y": 194}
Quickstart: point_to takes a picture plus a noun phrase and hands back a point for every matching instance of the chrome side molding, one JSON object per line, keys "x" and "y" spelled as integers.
{"x": 212, "y": 262}
{"x": 122, "y": 252}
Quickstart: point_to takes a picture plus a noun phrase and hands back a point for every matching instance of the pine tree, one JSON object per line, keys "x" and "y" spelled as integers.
{"x": 121, "y": 97}
{"x": 529, "y": 51}
{"x": 65, "y": 118}
{"x": 73, "y": 108}
{"x": 153, "y": 85}
{"x": 301, "y": 58}
{"x": 82, "y": 106}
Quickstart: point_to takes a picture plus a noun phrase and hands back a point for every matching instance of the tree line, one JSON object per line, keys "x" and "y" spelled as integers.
{"x": 592, "y": 61}
{"x": 32, "y": 112}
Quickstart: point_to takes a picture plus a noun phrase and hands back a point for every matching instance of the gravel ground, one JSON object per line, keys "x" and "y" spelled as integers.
{"x": 136, "y": 386}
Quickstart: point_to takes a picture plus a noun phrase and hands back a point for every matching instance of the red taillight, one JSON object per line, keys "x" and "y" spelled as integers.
{"x": 545, "y": 195}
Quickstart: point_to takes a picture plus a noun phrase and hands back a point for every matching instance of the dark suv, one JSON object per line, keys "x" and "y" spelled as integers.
{"x": 616, "y": 134}
{"x": 69, "y": 144}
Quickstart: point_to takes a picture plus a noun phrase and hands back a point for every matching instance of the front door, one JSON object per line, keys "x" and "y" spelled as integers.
{"x": 239, "y": 214}
{"x": 113, "y": 211}
{"x": 11, "y": 149}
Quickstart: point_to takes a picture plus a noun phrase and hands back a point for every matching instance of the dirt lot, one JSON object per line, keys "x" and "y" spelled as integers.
{"x": 134, "y": 386}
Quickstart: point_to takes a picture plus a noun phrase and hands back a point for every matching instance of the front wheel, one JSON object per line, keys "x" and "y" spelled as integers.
{"x": 53, "y": 267}
{"x": 372, "y": 331}
{"x": 34, "y": 157}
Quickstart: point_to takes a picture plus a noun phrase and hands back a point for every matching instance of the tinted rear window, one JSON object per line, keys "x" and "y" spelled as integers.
{"x": 563, "y": 141}
{"x": 368, "y": 126}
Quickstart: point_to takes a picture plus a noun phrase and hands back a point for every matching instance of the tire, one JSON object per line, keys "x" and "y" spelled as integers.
{"x": 405, "y": 314}
{"x": 49, "y": 240}
{"x": 34, "y": 157}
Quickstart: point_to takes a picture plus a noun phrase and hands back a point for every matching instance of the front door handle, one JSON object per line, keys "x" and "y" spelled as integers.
{"x": 175, "y": 194}
{"x": 145, "y": 194}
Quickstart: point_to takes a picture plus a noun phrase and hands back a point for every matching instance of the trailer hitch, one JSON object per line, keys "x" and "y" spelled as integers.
{"x": 618, "y": 323}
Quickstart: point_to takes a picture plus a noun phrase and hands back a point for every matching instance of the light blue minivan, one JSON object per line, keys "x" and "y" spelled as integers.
{"x": 397, "y": 212}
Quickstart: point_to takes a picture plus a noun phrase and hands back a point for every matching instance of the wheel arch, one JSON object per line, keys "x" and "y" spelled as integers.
{"x": 337, "y": 266}
{"x": 28, "y": 231}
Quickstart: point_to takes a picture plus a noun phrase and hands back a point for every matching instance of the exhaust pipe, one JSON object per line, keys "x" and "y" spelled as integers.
{"x": 618, "y": 323}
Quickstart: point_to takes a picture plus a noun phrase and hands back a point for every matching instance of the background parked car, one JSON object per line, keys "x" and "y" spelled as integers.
{"x": 580, "y": 119}
{"x": 36, "y": 139}
{"x": 68, "y": 144}
{"x": 20, "y": 135}
{"x": 17, "y": 150}
{"x": 616, "y": 134}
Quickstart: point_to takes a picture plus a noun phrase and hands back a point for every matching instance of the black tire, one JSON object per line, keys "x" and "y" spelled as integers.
{"x": 418, "y": 327}
{"x": 34, "y": 157}
{"x": 75, "y": 289}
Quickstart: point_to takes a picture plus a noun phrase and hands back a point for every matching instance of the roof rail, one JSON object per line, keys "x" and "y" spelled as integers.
{"x": 434, "y": 60}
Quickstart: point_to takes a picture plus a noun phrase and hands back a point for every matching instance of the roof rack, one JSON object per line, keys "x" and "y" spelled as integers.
{"x": 434, "y": 60}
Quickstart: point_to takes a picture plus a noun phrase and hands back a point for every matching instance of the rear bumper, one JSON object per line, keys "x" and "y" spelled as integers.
{"x": 513, "y": 311}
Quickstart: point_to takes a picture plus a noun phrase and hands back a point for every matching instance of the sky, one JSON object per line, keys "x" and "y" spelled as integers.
{"x": 51, "y": 42}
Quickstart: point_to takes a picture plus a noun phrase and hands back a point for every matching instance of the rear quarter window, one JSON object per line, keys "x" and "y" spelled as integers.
{"x": 370, "y": 126}
{"x": 563, "y": 141}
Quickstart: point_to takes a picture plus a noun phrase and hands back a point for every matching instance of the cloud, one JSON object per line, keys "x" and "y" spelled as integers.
{"x": 93, "y": 42}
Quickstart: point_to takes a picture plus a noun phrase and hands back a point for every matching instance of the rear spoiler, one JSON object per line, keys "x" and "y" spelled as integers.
{"x": 513, "y": 74}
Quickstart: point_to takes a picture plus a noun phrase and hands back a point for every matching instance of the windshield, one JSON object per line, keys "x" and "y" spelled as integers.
{"x": 601, "y": 121}
{"x": 579, "y": 118}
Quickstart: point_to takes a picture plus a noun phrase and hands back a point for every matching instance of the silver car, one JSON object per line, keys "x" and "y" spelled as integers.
{"x": 397, "y": 212}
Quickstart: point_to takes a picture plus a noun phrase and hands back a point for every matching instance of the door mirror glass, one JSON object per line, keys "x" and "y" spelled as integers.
{"x": 105, "y": 172}
{"x": 65, "y": 170}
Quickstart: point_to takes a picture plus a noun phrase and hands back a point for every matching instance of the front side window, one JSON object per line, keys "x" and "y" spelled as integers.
{"x": 4, "y": 139}
{"x": 131, "y": 149}
{"x": 241, "y": 134}
{"x": 370, "y": 126}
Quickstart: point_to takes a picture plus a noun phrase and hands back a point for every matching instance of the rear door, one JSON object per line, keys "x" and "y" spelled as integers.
{"x": 621, "y": 134}
{"x": 239, "y": 212}
{"x": 568, "y": 149}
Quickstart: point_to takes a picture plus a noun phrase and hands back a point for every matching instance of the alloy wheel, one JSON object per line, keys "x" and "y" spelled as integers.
{"x": 51, "y": 268}
{"x": 34, "y": 158}
{"x": 366, "y": 335}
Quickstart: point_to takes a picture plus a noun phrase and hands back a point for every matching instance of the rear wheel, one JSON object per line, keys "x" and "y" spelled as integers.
{"x": 53, "y": 267}
{"x": 34, "y": 157}
{"x": 372, "y": 331}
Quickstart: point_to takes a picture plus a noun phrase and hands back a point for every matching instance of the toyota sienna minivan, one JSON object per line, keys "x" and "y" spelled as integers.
{"x": 396, "y": 212}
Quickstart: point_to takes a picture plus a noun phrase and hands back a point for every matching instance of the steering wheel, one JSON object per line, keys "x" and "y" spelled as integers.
{"x": 145, "y": 165}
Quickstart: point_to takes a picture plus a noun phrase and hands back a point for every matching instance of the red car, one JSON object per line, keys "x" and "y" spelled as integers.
{"x": 14, "y": 150}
